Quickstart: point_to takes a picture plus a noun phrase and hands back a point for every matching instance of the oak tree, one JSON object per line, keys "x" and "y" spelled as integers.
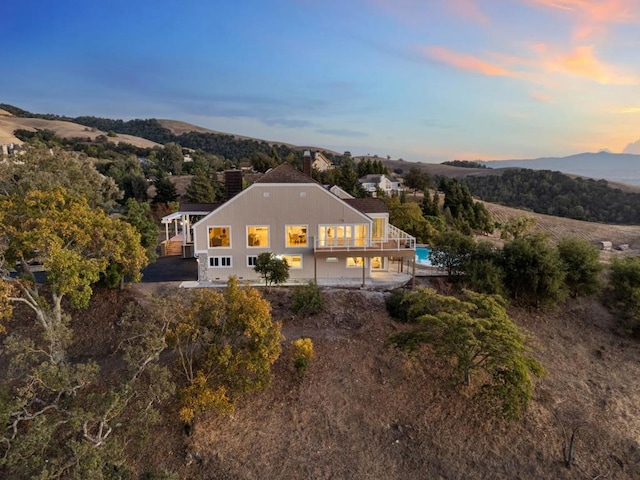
{"x": 75, "y": 245}
{"x": 226, "y": 344}
{"x": 478, "y": 335}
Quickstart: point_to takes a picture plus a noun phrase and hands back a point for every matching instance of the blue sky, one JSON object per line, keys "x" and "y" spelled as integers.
{"x": 425, "y": 80}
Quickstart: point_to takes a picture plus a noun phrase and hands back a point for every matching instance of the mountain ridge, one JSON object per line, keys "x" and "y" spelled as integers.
{"x": 615, "y": 167}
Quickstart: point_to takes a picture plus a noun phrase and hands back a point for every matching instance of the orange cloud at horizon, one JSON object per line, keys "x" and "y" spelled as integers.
{"x": 583, "y": 63}
{"x": 466, "y": 62}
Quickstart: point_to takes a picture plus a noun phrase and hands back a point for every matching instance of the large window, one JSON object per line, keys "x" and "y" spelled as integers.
{"x": 219, "y": 237}
{"x": 296, "y": 236}
{"x": 378, "y": 229}
{"x": 342, "y": 235}
{"x": 355, "y": 262}
{"x": 258, "y": 236}
{"x": 294, "y": 261}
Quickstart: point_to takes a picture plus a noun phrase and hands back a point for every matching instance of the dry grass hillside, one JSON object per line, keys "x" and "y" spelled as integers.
{"x": 363, "y": 411}
{"x": 558, "y": 228}
{"x": 8, "y": 124}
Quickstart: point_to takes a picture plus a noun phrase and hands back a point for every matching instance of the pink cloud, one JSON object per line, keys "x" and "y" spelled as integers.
{"x": 466, "y": 62}
{"x": 467, "y": 9}
{"x": 593, "y": 16}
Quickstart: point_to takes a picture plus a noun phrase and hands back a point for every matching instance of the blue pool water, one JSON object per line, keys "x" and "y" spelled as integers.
{"x": 422, "y": 255}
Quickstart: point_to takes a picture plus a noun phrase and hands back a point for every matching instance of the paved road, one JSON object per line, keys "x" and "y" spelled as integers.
{"x": 171, "y": 269}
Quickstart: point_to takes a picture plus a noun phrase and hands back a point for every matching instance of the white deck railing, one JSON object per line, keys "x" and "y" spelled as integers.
{"x": 400, "y": 236}
{"x": 396, "y": 240}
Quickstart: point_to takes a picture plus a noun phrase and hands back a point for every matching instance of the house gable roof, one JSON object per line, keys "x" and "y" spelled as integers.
{"x": 371, "y": 178}
{"x": 199, "y": 207}
{"x": 285, "y": 173}
{"x": 367, "y": 205}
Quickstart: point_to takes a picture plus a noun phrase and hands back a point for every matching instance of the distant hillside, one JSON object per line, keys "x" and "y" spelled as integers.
{"x": 148, "y": 132}
{"x": 616, "y": 167}
{"x": 63, "y": 129}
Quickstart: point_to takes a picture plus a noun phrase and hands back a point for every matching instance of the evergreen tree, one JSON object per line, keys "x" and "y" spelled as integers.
{"x": 200, "y": 190}
{"x": 165, "y": 192}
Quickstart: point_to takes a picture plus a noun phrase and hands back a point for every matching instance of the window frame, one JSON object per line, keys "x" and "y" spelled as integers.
{"x": 302, "y": 226}
{"x": 209, "y": 238}
{"x": 268, "y": 245}
{"x": 220, "y": 259}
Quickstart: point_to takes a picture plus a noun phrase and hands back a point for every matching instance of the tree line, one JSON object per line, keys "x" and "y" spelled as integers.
{"x": 554, "y": 193}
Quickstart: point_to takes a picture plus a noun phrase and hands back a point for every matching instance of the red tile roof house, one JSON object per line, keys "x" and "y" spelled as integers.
{"x": 323, "y": 238}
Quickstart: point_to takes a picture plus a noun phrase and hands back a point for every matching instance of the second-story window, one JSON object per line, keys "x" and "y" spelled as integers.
{"x": 220, "y": 237}
{"x": 296, "y": 236}
{"x": 258, "y": 236}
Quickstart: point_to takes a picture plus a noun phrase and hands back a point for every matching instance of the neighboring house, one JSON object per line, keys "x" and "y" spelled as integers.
{"x": 372, "y": 182}
{"x": 318, "y": 161}
{"x": 320, "y": 235}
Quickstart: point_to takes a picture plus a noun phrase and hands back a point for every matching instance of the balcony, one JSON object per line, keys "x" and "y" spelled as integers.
{"x": 397, "y": 243}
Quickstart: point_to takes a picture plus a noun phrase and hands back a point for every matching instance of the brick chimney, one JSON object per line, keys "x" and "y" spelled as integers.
{"x": 233, "y": 182}
{"x": 307, "y": 162}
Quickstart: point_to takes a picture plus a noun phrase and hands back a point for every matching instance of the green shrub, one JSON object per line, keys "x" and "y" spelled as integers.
{"x": 397, "y": 306}
{"x": 307, "y": 299}
{"x": 625, "y": 283}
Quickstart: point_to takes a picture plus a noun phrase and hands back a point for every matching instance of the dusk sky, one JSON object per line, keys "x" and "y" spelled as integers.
{"x": 425, "y": 80}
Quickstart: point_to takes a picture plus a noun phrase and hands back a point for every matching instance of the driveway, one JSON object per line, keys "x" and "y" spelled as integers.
{"x": 171, "y": 269}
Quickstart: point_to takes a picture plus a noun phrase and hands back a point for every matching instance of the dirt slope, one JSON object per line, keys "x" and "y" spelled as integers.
{"x": 365, "y": 412}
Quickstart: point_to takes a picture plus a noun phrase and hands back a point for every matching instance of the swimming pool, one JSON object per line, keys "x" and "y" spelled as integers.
{"x": 422, "y": 255}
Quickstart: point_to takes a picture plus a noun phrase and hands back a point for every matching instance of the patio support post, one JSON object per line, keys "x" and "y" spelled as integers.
{"x": 185, "y": 230}
{"x": 364, "y": 266}
{"x": 166, "y": 231}
{"x": 413, "y": 280}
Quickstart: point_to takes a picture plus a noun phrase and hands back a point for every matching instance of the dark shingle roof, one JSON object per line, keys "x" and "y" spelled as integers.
{"x": 198, "y": 207}
{"x": 285, "y": 173}
{"x": 368, "y": 205}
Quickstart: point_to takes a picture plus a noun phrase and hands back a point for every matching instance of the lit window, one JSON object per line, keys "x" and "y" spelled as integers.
{"x": 378, "y": 229}
{"x": 219, "y": 237}
{"x": 258, "y": 236}
{"x": 294, "y": 261}
{"x": 216, "y": 262}
{"x": 377, "y": 263}
{"x": 252, "y": 260}
{"x": 338, "y": 235}
{"x": 296, "y": 236}
{"x": 355, "y": 262}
